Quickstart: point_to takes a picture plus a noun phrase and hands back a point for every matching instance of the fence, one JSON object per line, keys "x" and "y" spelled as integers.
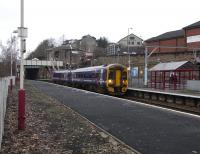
{"x": 5, "y": 69}
{"x": 4, "y": 83}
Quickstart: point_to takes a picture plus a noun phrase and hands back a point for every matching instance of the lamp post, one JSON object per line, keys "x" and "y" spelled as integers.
{"x": 11, "y": 53}
{"x": 118, "y": 50}
{"x": 129, "y": 56}
{"x": 146, "y": 56}
{"x": 70, "y": 57}
{"x": 22, "y": 33}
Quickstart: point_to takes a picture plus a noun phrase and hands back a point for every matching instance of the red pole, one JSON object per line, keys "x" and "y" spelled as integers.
{"x": 21, "y": 109}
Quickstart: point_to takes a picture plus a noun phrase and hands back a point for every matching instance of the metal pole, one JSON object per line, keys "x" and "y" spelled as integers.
{"x": 70, "y": 57}
{"x": 21, "y": 47}
{"x": 21, "y": 94}
{"x": 11, "y": 59}
{"x": 129, "y": 58}
{"x": 145, "y": 66}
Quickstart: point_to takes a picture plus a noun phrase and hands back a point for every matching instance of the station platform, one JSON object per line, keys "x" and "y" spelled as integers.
{"x": 185, "y": 93}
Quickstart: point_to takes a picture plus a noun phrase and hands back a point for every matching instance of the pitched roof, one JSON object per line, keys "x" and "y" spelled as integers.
{"x": 168, "y": 66}
{"x": 167, "y": 35}
{"x": 129, "y": 36}
{"x": 194, "y": 25}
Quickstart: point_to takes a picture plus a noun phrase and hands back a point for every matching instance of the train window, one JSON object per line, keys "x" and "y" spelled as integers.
{"x": 104, "y": 75}
{"x": 111, "y": 75}
{"x": 124, "y": 76}
{"x": 98, "y": 75}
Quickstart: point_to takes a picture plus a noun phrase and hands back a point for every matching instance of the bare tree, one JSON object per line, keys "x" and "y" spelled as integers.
{"x": 5, "y": 56}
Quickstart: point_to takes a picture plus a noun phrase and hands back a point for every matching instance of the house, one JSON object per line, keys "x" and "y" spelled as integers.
{"x": 131, "y": 44}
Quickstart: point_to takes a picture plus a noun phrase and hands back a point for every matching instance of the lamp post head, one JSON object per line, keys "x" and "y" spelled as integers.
{"x": 15, "y": 31}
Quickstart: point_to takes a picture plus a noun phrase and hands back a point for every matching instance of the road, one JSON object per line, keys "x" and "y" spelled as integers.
{"x": 148, "y": 129}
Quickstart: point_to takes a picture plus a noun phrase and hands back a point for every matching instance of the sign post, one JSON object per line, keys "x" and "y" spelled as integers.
{"x": 22, "y": 33}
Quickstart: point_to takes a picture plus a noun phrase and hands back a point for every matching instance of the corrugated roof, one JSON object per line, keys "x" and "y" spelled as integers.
{"x": 194, "y": 25}
{"x": 167, "y": 35}
{"x": 168, "y": 66}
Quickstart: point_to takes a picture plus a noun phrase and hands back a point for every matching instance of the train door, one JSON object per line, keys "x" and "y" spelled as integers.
{"x": 117, "y": 78}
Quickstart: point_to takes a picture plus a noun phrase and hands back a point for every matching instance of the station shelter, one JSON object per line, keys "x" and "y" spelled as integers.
{"x": 172, "y": 75}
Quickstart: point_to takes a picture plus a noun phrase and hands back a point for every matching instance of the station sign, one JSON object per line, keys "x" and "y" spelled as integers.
{"x": 134, "y": 72}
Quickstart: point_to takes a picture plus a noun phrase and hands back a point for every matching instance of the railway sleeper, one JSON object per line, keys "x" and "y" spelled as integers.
{"x": 162, "y": 98}
{"x": 154, "y": 97}
{"x": 190, "y": 102}
{"x": 147, "y": 95}
{"x": 170, "y": 99}
{"x": 179, "y": 100}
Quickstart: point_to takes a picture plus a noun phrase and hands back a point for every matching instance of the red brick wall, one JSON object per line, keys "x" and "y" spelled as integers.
{"x": 181, "y": 42}
{"x": 156, "y": 43}
{"x": 191, "y": 32}
{"x": 170, "y": 42}
{"x": 193, "y": 45}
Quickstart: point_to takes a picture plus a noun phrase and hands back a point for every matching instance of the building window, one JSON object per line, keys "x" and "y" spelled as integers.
{"x": 56, "y": 54}
{"x": 132, "y": 43}
{"x": 138, "y": 43}
{"x": 132, "y": 38}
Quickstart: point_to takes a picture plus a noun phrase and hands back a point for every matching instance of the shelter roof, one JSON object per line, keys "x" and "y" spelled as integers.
{"x": 170, "y": 66}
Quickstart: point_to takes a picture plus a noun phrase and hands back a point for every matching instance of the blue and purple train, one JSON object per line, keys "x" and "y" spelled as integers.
{"x": 111, "y": 79}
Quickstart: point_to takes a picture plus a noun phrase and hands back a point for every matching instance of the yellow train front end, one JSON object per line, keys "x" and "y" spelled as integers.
{"x": 117, "y": 79}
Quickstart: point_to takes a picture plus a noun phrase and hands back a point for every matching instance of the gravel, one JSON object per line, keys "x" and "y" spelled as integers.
{"x": 53, "y": 128}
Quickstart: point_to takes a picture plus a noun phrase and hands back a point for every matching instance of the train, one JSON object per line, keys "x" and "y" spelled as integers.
{"x": 111, "y": 79}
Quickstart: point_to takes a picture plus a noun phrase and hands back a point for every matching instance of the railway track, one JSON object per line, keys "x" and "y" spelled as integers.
{"x": 175, "y": 102}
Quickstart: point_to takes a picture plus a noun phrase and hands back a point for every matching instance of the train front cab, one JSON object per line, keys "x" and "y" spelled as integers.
{"x": 117, "y": 82}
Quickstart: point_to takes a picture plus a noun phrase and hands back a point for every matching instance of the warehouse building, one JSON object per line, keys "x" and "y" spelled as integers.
{"x": 186, "y": 39}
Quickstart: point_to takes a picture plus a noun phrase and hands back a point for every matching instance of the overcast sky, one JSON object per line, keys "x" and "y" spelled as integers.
{"x": 110, "y": 18}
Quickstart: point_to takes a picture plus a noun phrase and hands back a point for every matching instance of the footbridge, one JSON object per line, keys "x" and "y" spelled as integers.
{"x": 35, "y": 68}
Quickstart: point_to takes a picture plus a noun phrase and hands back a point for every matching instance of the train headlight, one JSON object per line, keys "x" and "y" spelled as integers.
{"x": 110, "y": 82}
{"x": 124, "y": 82}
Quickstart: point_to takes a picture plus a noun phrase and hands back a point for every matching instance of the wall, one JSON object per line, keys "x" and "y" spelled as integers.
{"x": 169, "y": 42}
{"x": 193, "y": 32}
{"x": 123, "y": 42}
{"x": 193, "y": 85}
{"x": 138, "y": 60}
{"x": 4, "y": 83}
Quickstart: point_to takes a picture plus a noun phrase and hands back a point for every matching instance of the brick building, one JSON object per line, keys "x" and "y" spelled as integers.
{"x": 186, "y": 39}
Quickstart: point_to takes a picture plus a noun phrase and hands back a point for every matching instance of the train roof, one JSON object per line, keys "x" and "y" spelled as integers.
{"x": 116, "y": 64}
{"x": 92, "y": 68}
{"x": 61, "y": 71}
{"x": 95, "y": 68}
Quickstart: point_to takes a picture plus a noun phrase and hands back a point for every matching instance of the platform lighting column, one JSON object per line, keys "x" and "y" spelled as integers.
{"x": 22, "y": 33}
{"x": 145, "y": 67}
{"x": 146, "y": 56}
{"x": 11, "y": 58}
{"x": 129, "y": 55}
{"x": 70, "y": 57}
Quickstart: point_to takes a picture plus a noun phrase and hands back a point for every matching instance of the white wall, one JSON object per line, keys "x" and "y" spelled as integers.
{"x": 123, "y": 42}
{"x": 193, "y": 85}
{"x": 4, "y": 83}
